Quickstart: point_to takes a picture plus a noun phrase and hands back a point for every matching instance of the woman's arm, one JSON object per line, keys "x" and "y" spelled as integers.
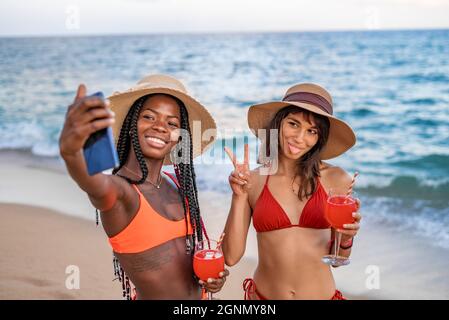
{"x": 236, "y": 229}
{"x": 239, "y": 218}
{"x": 85, "y": 116}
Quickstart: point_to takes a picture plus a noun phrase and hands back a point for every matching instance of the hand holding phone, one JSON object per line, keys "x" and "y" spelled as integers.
{"x": 99, "y": 150}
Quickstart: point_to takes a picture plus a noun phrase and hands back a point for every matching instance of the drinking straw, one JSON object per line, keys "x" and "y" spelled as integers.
{"x": 348, "y": 194}
{"x": 220, "y": 240}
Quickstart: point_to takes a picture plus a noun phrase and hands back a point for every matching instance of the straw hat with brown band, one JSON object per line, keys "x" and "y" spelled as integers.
{"x": 315, "y": 99}
{"x": 121, "y": 102}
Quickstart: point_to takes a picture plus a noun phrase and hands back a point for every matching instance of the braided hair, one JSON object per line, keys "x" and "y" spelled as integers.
{"x": 184, "y": 171}
{"x": 128, "y": 135}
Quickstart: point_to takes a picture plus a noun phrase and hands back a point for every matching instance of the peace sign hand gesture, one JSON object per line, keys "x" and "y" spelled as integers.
{"x": 239, "y": 178}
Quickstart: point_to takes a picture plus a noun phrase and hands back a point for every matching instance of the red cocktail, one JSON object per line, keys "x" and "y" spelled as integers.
{"x": 339, "y": 210}
{"x": 208, "y": 261}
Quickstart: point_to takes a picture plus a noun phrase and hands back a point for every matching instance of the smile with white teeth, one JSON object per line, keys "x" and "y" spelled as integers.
{"x": 156, "y": 141}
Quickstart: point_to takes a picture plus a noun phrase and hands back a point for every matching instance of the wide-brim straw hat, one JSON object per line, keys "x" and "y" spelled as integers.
{"x": 121, "y": 102}
{"x": 315, "y": 99}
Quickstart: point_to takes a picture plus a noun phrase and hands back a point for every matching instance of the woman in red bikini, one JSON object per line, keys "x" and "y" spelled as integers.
{"x": 286, "y": 197}
{"x": 152, "y": 221}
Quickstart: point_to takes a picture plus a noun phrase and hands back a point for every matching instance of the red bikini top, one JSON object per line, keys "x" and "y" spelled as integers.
{"x": 268, "y": 214}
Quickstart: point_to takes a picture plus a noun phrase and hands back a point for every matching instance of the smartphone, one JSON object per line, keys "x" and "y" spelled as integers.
{"x": 99, "y": 150}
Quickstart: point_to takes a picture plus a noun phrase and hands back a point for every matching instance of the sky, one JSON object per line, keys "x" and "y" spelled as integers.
{"x": 95, "y": 17}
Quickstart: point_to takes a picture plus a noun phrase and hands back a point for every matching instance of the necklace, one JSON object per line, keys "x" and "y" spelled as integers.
{"x": 157, "y": 185}
{"x": 293, "y": 185}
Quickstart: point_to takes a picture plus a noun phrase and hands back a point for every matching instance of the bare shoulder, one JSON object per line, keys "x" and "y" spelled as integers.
{"x": 125, "y": 189}
{"x": 334, "y": 176}
{"x": 257, "y": 181}
{"x": 257, "y": 175}
{"x": 127, "y": 196}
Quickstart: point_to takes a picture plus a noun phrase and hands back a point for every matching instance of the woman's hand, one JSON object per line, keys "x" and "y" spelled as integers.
{"x": 239, "y": 178}
{"x": 84, "y": 116}
{"x": 350, "y": 230}
{"x": 215, "y": 285}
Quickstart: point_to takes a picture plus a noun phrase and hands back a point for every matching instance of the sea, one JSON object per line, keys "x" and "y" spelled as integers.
{"x": 392, "y": 87}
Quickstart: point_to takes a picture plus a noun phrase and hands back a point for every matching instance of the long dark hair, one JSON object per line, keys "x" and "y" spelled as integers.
{"x": 308, "y": 166}
{"x": 184, "y": 171}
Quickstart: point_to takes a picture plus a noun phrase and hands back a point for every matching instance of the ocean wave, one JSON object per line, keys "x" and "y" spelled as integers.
{"x": 411, "y": 216}
{"x": 422, "y": 101}
{"x": 363, "y": 112}
{"x": 438, "y": 163}
{"x": 409, "y": 187}
{"x": 426, "y": 123}
{"x": 21, "y": 135}
{"x": 241, "y": 103}
{"x": 425, "y": 78}
{"x": 398, "y": 63}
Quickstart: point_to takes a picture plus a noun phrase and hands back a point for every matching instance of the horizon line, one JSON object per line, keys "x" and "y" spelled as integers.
{"x": 177, "y": 33}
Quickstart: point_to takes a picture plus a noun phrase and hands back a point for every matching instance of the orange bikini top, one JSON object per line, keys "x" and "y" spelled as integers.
{"x": 148, "y": 228}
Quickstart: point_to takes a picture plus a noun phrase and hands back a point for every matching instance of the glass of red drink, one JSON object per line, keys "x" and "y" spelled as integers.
{"x": 208, "y": 261}
{"x": 339, "y": 210}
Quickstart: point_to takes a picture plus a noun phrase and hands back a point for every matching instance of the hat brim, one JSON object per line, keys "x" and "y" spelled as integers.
{"x": 122, "y": 102}
{"x": 341, "y": 136}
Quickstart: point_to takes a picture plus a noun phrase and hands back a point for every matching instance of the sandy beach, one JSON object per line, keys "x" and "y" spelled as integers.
{"x": 48, "y": 224}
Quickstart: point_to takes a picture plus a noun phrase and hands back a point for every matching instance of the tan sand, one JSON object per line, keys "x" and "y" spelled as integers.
{"x": 38, "y": 245}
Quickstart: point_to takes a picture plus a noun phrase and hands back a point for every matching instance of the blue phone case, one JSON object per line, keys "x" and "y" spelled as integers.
{"x": 99, "y": 150}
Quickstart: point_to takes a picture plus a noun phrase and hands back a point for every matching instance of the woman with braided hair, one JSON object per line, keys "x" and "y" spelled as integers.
{"x": 152, "y": 219}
